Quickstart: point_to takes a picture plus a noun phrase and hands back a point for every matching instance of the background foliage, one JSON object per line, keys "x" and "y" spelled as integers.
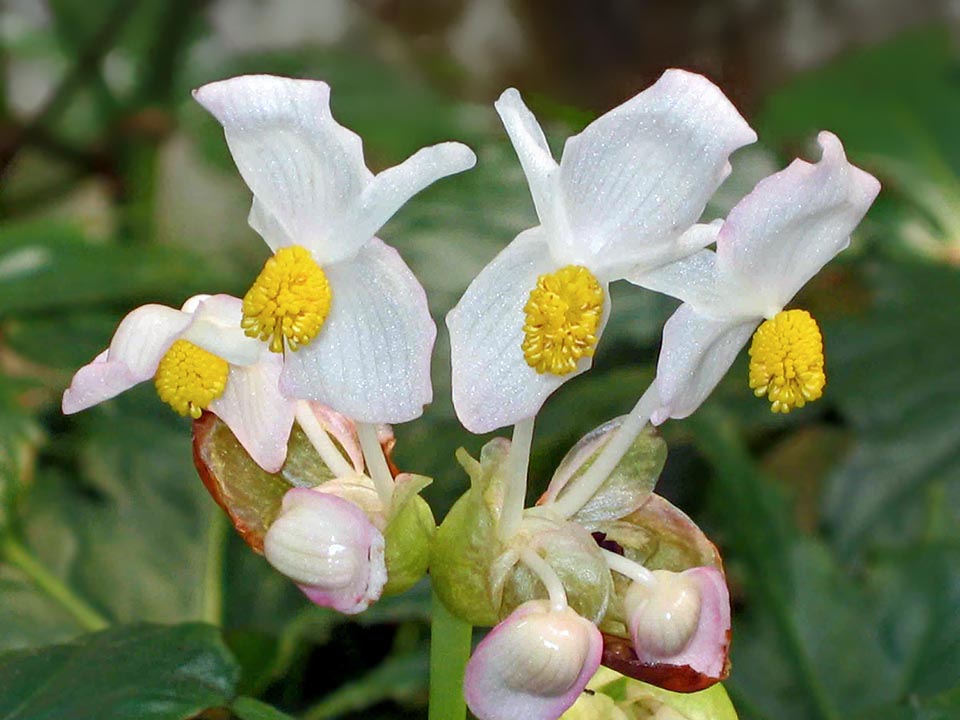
{"x": 122, "y": 591}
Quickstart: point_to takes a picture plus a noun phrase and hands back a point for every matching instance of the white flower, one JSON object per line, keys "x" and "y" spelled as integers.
{"x": 330, "y": 548}
{"x": 199, "y": 359}
{"x": 771, "y": 244}
{"x": 625, "y": 195}
{"x": 345, "y": 302}
{"x": 533, "y": 665}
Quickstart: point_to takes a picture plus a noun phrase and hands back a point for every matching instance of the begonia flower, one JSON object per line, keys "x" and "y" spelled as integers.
{"x": 330, "y": 548}
{"x": 199, "y": 359}
{"x": 772, "y": 242}
{"x": 625, "y": 195}
{"x": 681, "y": 619}
{"x": 533, "y": 665}
{"x": 344, "y": 310}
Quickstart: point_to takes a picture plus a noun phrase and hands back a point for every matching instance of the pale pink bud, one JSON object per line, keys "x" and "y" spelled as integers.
{"x": 533, "y": 665}
{"x": 329, "y": 547}
{"x": 681, "y": 619}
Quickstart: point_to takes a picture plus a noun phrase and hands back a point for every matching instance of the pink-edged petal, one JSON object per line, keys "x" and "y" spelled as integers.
{"x": 640, "y": 175}
{"x": 535, "y": 158}
{"x": 303, "y": 167}
{"x": 533, "y": 665}
{"x": 705, "y": 646}
{"x": 216, "y": 329}
{"x": 493, "y": 386}
{"x": 371, "y": 360}
{"x": 695, "y": 354}
{"x": 792, "y": 224}
{"x": 138, "y": 344}
{"x": 393, "y": 187}
{"x": 343, "y": 430}
{"x": 255, "y": 411}
{"x": 329, "y": 547}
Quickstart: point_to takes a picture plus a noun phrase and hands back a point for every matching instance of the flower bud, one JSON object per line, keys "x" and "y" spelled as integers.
{"x": 329, "y": 547}
{"x": 681, "y": 619}
{"x": 533, "y": 665}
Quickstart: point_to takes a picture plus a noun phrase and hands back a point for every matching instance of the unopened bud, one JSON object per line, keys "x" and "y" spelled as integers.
{"x": 681, "y": 619}
{"x": 329, "y": 547}
{"x": 533, "y": 665}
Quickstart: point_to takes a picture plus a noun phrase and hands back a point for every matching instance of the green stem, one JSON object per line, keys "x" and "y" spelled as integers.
{"x": 51, "y": 586}
{"x": 450, "y": 639}
{"x": 213, "y": 576}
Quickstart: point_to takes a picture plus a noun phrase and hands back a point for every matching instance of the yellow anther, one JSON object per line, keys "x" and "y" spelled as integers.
{"x": 189, "y": 378}
{"x": 563, "y": 315}
{"x": 786, "y": 361}
{"x": 288, "y": 302}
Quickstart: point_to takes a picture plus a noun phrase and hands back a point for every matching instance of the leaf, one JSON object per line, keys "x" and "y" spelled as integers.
{"x": 401, "y": 678}
{"x": 19, "y": 439}
{"x": 250, "y": 709}
{"x": 893, "y": 374}
{"x": 149, "y": 672}
{"x": 45, "y": 267}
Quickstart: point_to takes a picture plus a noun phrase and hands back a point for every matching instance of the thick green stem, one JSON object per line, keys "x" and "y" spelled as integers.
{"x": 50, "y": 585}
{"x": 450, "y": 639}
{"x": 213, "y": 575}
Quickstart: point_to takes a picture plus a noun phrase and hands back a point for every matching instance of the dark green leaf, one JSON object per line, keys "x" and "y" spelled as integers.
{"x": 148, "y": 672}
{"x": 250, "y": 709}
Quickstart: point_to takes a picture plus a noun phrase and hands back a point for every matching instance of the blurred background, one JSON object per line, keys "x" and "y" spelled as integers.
{"x": 838, "y": 523}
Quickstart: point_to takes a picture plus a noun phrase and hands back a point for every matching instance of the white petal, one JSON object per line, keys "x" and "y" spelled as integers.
{"x": 303, "y": 167}
{"x": 255, "y": 411}
{"x": 535, "y": 156}
{"x": 493, "y": 386}
{"x": 216, "y": 329}
{"x": 639, "y": 176}
{"x": 371, "y": 360}
{"x": 138, "y": 344}
{"x": 793, "y": 223}
{"x": 393, "y": 187}
{"x": 695, "y": 355}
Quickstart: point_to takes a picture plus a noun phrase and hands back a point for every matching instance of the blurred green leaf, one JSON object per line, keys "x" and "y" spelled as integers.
{"x": 250, "y": 709}
{"x": 147, "y": 672}
{"x": 50, "y": 267}
{"x": 894, "y": 376}
{"x": 400, "y": 678}
{"x": 942, "y": 707}
{"x": 19, "y": 437}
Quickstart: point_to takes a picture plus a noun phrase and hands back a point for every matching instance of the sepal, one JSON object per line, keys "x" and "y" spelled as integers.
{"x": 626, "y": 488}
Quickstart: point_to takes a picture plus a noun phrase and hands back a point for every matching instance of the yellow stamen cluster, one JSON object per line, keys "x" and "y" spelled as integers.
{"x": 786, "y": 361}
{"x": 563, "y": 315}
{"x": 288, "y": 302}
{"x": 189, "y": 378}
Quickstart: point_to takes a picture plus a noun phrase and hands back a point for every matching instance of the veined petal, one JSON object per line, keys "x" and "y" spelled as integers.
{"x": 493, "y": 385}
{"x": 255, "y": 411}
{"x": 391, "y": 188}
{"x": 303, "y": 167}
{"x": 535, "y": 158}
{"x": 216, "y": 329}
{"x": 640, "y": 175}
{"x": 138, "y": 344}
{"x": 792, "y": 224}
{"x": 695, "y": 354}
{"x": 533, "y": 665}
{"x": 371, "y": 360}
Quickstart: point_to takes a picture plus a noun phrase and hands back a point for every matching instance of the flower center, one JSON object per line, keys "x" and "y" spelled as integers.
{"x": 563, "y": 314}
{"x": 786, "y": 361}
{"x": 288, "y": 302}
{"x": 189, "y": 378}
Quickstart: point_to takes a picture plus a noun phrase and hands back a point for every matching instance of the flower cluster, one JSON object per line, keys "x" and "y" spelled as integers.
{"x": 292, "y": 387}
{"x": 333, "y": 335}
{"x": 603, "y": 569}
